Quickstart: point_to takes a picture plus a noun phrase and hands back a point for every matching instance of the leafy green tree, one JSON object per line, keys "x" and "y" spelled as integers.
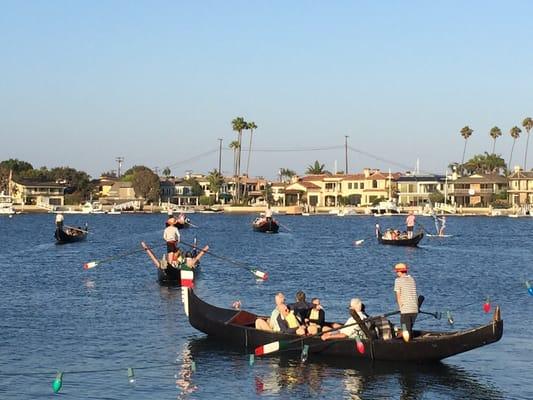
{"x": 196, "y": 188}
{"x": 495, "y": 133}
{"x": 146, "y": 184}
{"x": 16, "y": 165}
{"x": 515, "y": 134}
{"x": 316, "y": 169}
{"x": 436, "y": 197}
{"x": 166, "y": 172}
{"x": 485, "y": 164}
{"x": 527, "y": 124}
{"x": 466, "y": 132}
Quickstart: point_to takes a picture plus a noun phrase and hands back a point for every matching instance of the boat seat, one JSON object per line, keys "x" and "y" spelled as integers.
{"x": 243, "y": 318}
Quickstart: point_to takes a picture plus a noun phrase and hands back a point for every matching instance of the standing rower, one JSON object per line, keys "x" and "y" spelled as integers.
{"x": 171, "y": 235}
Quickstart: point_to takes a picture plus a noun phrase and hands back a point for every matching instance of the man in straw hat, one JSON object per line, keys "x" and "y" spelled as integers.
{"x": 171, "y": 235}
{"x": 406, "y": 296}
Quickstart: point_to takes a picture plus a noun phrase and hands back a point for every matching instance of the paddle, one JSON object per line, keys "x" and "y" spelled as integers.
{"x": 283, "y": 226}
{"x": 76, "y": 229}
{"x": 361, "y": 241}
{"x": 437, "y": 314}
{"x": 424, "y": 229}
{"x": 284, "y": 344}
{"x": 93, "y": 264}
{"x": 255, "y": 272}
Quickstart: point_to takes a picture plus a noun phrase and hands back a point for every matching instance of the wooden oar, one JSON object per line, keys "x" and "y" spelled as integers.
{"x": 283, "y": 226}
{"x": 284, "y": 344}
{"x": 93, "y": 264}
{"x": 76, "y": 229}
{"x": 254, "y": 271}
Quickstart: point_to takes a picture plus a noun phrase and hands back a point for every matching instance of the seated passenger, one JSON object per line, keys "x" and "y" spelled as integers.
{"x": 301, "y": 307}
{"x": 353, "y": 330}
{"x": 315, "y": 317}
{"x": 288, "y": 322}
{"x": 271, "y": 324}
{"x": 192, "y": 260}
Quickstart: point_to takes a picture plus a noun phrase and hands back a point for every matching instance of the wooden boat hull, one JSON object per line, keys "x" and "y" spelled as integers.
{"x": 266, "y": 226}
{"x": 63, "y": 237}
{"x": 237, "y": 327}
{"x": 413, "y": 242}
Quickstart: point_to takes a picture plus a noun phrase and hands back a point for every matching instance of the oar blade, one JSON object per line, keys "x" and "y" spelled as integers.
{"x": 90, "y": 265}
{"x": 259, "y": 274}
{"x": 270, "y": 348}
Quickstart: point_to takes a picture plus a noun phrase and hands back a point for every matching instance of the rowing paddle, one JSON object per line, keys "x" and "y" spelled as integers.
{"x": 93, "y": 264}
{"x": 77, "y": 229}
{"x": 284, "y": 344}
{"x": 284, "y": 226}
{"x": 254, "y": 271}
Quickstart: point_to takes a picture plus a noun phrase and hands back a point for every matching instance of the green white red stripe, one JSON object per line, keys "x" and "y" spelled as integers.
{"x": 270, "y": 348}
{"x": 187, "y": 277}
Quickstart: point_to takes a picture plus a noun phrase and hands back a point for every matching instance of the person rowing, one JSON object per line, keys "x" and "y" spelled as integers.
{"x": 171, "y": 235}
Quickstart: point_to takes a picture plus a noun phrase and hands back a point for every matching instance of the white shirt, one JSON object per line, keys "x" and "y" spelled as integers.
{"x": 59, "y": 218}
{"x": 171, "y": 234}
{"x": 355, "y": 329}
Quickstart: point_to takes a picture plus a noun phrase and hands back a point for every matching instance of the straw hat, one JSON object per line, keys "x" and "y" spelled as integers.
{"x": 400, "y": 267}
{"x": 172, "y": 221}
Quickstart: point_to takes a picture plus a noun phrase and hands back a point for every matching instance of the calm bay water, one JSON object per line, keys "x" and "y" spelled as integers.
{"x": 95, "y": 324}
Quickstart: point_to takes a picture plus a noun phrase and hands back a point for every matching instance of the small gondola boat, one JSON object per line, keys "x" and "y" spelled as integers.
{"x": 266, "y": 225}
{"x": 69, "y": 234}
{"x": 238, "y": 327}
{"x": 400, "y": 240}
{"x": 168, "y": 274}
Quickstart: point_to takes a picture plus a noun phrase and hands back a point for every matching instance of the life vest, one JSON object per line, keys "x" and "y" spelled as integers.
{"x": 314, "y": 315}
{"x": 292, "y": 321}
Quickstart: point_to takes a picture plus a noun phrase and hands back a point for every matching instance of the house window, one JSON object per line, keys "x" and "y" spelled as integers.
{"x": 356, "y": 185}
{"x": 374, "y": 184}
{"x": 349, "y": 185}
{"x": 362, "y": 185}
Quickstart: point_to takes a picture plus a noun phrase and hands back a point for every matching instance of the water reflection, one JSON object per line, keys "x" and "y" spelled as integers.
{"x": 184, "y": 375}
{"x": 281, "y": 374}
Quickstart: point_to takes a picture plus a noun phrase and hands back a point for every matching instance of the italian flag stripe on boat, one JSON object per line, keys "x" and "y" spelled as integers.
{"x": 187, "y": 277}
{"x": 270, "y": 348}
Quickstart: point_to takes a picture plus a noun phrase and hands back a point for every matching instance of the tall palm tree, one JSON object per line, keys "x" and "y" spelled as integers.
{"x": 238, "y": 125}
{"x": 515, "y": 134}
{"x": 251, "y": 126}
{"x": 466, "y": 132}
{"x": 215, "y": 180}
{"x": 495, "y": 133}
{"x": 527, "y": 124}
{"x": 235, "y": 146}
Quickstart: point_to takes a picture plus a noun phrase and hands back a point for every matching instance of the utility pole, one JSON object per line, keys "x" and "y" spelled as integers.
{"x": 346, "y": 154}
{"x": 156, "y": 170}
{"x": 220, "y": 156}
{"x": 119, "y": 160}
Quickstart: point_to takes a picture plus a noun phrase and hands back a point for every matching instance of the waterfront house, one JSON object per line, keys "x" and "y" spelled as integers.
{"x": 478, "y": 190}
{"x": 520, "y": 190}
{"x": 414, "y": 190}
{"x": 43, "y": 194}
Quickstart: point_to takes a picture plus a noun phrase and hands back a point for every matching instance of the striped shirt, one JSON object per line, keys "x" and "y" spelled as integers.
{"x": 406, "y": 287}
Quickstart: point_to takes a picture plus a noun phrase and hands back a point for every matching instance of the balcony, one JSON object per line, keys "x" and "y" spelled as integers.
{"x": 471, "y": 192}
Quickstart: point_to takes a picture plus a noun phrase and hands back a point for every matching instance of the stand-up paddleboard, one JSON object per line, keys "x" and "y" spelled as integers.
{"x": 439, "y": 236}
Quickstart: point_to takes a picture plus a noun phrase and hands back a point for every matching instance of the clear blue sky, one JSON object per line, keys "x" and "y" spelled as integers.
{"x": 158, "y": 82}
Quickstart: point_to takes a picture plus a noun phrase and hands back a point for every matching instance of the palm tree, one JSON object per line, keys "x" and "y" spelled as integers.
{"x": 466, "y": 132}
{"x": 515, "y": 134}
{"x": 316, "y": 169}
{"x": 238, "y": 125}
{"x": 495, "y": 133}
{"x": 251, "y": 126}
{"x": 215, "y": 180}
{"x": 527, "y": 124}
{"x": 286, "y": 173}
{"x": 166, "y": 172}
{"x": 235, "y": 146}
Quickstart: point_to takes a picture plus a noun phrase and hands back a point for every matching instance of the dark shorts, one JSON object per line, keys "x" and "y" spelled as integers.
{"x": 408, "y": 320}
{"x": 171, "y": 247}
{"x": 410, "y": 228}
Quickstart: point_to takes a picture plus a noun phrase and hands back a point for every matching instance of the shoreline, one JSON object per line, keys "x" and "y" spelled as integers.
{"x": 288, "y": 210}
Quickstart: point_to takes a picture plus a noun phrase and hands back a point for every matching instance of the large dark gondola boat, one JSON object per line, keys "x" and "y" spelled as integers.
{"x": 266, "y": 225}
{"x": 65, "y": 235}
{"x": 412, "y": 242}
{"x": 238, "y": 327}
